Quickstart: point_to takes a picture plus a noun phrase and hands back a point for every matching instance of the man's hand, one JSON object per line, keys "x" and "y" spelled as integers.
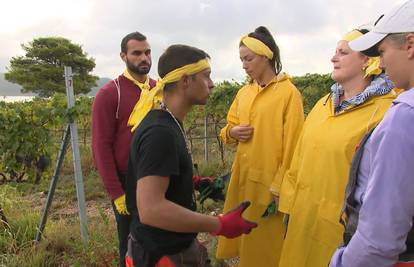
{"x": 242, "y": 133}
{"x": 233, "y": 225}
{"x": 120, "y": 205}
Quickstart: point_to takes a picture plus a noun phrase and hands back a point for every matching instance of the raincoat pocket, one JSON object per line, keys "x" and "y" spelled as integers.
{"x": 258, "y": 187}
{"x": 327, "y": 229}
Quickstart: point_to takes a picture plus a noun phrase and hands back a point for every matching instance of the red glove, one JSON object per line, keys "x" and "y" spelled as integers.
{"x": 196, "y": 180}
{"x": 232, "y": 223}
{"x": 200, "y": 180}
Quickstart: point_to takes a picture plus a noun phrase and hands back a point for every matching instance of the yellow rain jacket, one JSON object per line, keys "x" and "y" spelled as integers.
{"x": 276, "y": 114}
{"x": 313, "y": 188}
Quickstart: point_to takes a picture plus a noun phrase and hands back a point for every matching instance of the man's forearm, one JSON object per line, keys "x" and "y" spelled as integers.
{"x": 172, "y": 217}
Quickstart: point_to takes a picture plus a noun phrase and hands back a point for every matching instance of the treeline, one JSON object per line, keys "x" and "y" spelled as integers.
{"x": 28, "y": 138}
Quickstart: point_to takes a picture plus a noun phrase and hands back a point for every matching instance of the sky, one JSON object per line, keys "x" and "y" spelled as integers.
{"x": 305, "y": 31}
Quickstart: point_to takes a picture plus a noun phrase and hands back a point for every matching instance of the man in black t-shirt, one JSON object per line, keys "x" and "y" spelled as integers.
{"x": 160, "y": 193}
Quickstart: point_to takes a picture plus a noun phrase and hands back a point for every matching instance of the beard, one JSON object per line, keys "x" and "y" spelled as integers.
{"x": 141, "y": 69}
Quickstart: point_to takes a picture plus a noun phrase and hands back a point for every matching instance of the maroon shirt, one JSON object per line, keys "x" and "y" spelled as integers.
{"x": 111, "y": 137}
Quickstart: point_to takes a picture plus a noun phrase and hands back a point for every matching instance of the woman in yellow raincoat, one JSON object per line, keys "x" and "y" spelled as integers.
{"x": 264, "y": 121}
{"x": 313, "y": 188}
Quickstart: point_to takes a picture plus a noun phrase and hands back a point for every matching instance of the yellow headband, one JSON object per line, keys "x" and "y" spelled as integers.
{"x": 352, "y": 35}
{"x": 150, "y": 99}
{"x": 372, "y": 65}
{"x": 257, "y": 46}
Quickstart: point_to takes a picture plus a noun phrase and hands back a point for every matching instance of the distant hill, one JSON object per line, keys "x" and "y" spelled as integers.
{"x": 100, "y": 83}
{"x": 12, "y": 89}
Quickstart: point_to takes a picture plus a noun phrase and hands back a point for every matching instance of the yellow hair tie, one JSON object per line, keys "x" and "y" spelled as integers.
{"x": 373, "y": 67}
{"x": 373, "y": 63}
{"x": 257, "y": 46}
{"x": 150, "y": 99}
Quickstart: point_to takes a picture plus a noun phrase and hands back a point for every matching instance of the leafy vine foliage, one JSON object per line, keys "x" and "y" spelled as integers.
{"x": 28, "y": 138}
{"x": 31, "y": 132}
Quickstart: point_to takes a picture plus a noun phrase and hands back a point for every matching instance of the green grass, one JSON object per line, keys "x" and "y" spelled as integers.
{"x": 62, "y": 244}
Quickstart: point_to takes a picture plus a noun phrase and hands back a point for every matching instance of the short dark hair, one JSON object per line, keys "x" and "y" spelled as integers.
{"x": 176, "y": 56}
{"x": 398, "y": 39}
{"x": 132, "y": 36}
{"x": 262, "y": 34}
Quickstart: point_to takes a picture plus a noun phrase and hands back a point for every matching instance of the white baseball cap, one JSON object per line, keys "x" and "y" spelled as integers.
{"x": 398, "y": 20}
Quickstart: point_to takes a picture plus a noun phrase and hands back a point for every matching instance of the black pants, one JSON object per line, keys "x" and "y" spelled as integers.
{"x": 122, "y": 224}
{"x": 193, "y": 256}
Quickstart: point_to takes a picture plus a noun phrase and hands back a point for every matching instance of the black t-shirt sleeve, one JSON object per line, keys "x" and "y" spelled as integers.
{"x": 157, "y": 153}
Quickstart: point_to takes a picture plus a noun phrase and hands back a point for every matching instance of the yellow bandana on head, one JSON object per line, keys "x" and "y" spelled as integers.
{"x": 150, "y": 99}
{"x": 372, "y": 65}
{"x": 352, "y": 35}
{"x": 257, "y": 46}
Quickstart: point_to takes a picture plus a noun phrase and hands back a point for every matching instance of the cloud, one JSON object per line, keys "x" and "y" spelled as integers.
{"x": 306, "y": 31}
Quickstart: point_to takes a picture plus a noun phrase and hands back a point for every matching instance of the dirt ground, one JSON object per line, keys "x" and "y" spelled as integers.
{"x": 68, "y": 210}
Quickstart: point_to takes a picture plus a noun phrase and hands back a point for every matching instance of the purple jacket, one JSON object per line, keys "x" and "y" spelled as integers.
{"x": 385, "y": 191}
